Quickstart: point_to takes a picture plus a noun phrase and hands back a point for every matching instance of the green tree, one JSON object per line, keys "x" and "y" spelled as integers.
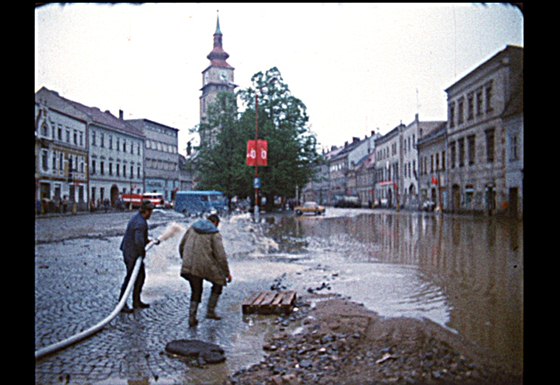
{"x": 283, "y": 122}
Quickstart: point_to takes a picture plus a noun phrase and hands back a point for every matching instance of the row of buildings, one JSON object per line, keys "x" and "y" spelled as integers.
{"x": 87, "y": 158}
{"x": 471, "y": 162}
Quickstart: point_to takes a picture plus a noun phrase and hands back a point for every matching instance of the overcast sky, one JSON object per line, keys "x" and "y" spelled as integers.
{"x": 357, "y": 67}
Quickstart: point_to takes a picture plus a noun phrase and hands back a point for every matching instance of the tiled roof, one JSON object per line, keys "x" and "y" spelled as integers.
{"x": 91, "y": 114}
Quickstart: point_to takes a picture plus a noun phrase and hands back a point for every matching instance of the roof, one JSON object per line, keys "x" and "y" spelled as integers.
{"x": 437, "y": 133}
{"x": 514, "y": 105}
{"x": 346, "y": 149}
{"x": 90, "y": 114}
{"x": 144, "y": 120}
{"x": 511, "y": 51}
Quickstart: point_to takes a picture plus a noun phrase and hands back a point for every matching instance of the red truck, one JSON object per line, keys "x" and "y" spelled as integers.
{"x": 133, "y": 201}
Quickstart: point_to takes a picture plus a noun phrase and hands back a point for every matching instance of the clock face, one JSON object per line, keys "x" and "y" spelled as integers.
{"x": 223, "y": 76}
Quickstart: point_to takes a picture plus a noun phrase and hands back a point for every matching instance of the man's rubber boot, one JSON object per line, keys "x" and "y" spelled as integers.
{"x": 192, "y": 314}
{"x": 212, "y": 303}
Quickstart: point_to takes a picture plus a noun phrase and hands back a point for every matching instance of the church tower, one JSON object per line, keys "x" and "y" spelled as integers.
{"x": 216, "y": 78}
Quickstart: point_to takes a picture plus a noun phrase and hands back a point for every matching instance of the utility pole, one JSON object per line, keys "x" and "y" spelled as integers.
{"x": 257, "y": 181}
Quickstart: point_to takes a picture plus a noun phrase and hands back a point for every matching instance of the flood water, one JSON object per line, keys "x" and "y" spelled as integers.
{"x": 464, "y": 273}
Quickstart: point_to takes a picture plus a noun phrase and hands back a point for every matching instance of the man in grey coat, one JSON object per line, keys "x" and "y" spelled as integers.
{"x": 204, "y": 258}
{"x": 133, "y": 246}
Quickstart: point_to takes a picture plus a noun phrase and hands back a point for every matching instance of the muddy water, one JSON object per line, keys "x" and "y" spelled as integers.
{"x": 464, "y": 273}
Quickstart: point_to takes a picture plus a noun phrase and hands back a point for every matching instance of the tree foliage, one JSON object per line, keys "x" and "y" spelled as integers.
{"x": 282, "y": 121}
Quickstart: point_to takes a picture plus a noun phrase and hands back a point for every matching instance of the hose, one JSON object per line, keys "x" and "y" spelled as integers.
{"x": 95, "y": 328}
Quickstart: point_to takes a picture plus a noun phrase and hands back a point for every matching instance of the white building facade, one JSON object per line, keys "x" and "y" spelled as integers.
{"x": 477, "y": 134}
{"x": 161, "y": 157}
{"x": 116, "y": 158}
{"x": 60, "y": 155}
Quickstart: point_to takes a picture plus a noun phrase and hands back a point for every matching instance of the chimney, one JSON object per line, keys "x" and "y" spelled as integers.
{"x": 121, "y": 114}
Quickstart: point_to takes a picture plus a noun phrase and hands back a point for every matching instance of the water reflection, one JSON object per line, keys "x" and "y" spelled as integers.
{"x": 467, "y": 271}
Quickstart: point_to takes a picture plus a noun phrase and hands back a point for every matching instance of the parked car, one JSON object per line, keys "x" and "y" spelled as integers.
{"x": 310, "y": 207}
{"x": 347, "y": 201}
{"x": 428, "y": 205}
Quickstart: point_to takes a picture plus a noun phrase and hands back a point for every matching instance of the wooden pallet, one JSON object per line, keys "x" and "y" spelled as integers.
{"x": 270, "y": 302}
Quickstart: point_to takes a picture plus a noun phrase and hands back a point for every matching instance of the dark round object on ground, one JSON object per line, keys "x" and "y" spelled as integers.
{"x": 210, "y": 353}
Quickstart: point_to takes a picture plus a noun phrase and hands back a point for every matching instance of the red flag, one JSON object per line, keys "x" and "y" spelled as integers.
{"x": 434, "y": 181}
{"x": 251, "y": 153}
{"x": 262, "y": 153}
{"x": 257, "y": 153}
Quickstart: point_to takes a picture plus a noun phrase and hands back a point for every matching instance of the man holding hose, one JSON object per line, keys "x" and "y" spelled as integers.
{"x": 204, "y": 257}
{"x": 133, "y": 246}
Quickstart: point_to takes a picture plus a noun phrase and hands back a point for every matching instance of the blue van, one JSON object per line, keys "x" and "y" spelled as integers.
{"x": 200, "y": 202}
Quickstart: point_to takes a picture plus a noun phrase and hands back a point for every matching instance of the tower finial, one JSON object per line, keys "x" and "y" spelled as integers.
{"x": 218, "y": 31}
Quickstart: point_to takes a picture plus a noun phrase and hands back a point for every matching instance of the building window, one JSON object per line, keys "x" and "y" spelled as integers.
{"x": 490, "y": 145}
{"x": 44, "y": 160}
{"x": 102, "y": 168}
{"x": 93, "y": 167}
{"x": 479, "y": 102}
{"x": 514, "y": 149}
{"x": 488, "y": 90}
{"x": 443, "y": 160}
{"x": 93, "y": 136}
{"x": 470, "y": 106}
{"x": 472, "y": 149}
{"x": 432, "y": 163}
{"x": 460, "y": 111}
{"x": 453, "y": 153}
{"x": 461, "y": 152}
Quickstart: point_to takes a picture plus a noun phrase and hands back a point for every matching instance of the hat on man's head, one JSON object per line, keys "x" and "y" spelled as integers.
{"x": 213, "y": 218}
{"x": 146, "y": 205}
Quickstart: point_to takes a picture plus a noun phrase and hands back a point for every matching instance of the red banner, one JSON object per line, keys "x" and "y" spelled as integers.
{"x": 257, "y": 153}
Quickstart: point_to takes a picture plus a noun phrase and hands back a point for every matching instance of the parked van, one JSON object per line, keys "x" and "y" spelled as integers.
{"x": 200, "y": 202}
{"x": 155, "y": 198}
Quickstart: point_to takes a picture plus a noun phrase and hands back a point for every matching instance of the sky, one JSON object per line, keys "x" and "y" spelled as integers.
{"x": 358, "y": 67}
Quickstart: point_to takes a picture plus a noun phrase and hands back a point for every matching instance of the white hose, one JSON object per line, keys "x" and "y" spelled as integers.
{"x": 95, "y": 328}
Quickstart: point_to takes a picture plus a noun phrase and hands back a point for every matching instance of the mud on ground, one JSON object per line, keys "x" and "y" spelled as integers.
{"x": 341, "y": 342}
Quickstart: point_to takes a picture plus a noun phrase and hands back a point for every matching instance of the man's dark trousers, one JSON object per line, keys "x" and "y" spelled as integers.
{"x": 139, "y": 279}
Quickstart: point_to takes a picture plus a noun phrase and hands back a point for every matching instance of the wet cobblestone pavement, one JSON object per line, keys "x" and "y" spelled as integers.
{"x": 78, "y": 273}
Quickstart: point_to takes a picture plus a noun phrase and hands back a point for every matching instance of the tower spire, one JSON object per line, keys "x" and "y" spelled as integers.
{"x": 218, "y": 31}
{"x": 218, "y": 56}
